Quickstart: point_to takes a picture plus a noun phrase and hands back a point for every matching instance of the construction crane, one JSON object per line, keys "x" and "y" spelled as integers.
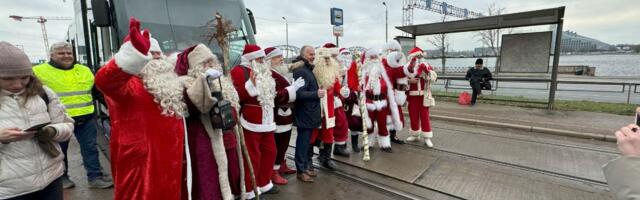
{"x": 41, "y": 20}
{"x": 434, "y": 6}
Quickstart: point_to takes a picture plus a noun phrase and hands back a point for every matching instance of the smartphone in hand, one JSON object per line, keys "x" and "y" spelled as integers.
{"x": 36, "y": 127}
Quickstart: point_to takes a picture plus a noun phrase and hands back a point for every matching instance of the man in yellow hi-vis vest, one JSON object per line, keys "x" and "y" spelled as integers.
{"x": 73, "y": 83}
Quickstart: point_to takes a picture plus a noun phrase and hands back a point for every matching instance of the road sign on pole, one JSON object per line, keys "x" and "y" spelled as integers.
{"x": 337, "y": 31}
{"x": 337, "y": 17}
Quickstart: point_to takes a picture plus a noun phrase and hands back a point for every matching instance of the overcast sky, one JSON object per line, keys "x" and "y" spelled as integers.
{"x": 614, "y": 22}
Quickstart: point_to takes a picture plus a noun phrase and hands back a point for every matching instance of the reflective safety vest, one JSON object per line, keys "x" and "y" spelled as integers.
{"x": 73, "y": 86}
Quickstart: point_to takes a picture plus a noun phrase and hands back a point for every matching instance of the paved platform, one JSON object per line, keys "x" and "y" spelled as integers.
{"x": 579, "y": 121}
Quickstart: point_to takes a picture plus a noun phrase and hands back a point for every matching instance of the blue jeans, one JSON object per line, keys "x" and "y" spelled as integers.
{"x": 302, "y": 149}
{"x": 53, "y": 191}
{"x": 86, "y": 134}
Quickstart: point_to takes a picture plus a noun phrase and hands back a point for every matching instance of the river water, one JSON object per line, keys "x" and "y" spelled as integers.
{"x": 606, "y": 65}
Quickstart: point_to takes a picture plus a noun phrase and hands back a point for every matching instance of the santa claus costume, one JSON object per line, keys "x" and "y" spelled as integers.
{"x": 341, "y": 130}
{"x": 398, "y": 80}
{"x": 422, "y": 75}
{"x": 283, "y": 114}
{"x": 380, "y": 99}
{"x": 146, "y": 107}
{"x": 215, "y": 177}
{"x": 258, "y": 100}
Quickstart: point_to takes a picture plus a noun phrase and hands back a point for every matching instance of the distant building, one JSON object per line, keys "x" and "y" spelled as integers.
{"x": 572, "y": 42}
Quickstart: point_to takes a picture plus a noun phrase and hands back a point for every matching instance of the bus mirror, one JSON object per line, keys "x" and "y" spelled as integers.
{"x": 252, "y": 20}
{"x": 101, "y": 13}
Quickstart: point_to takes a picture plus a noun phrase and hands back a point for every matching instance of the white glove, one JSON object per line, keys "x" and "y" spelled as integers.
{"x": 212, "y": 73}
{"x": 344, "y": 92}
{"x": 298, "y": 83}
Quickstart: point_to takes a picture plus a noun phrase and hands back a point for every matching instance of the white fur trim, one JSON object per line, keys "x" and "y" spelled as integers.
{"x": 188, "y": 159}
{"x": 345, "y": 92}
{"x": 337, "y": 103}
{"x": 284, "y": 112}
{"x": 414, "y": 132}
{"x": 266, "y": 188}
{"x": 371, "y": 107}
{"x": 130, "y": 60}
{"x": 276, "y": 167}
{"x": 369, "y": 123}
{"x": 354, "y": 133}
{"x": 340, "y": 143}
{"x": 427, "y": 134}
{"x": 274, "y": 53}
{"x": 155, "y": 46}
{"x": 283, "y": 128}
{"x": 260, "y": 128}
{"x": 416, "y": 93}
{"x": 331, "y": 122}
{"x": 393, "y": 106}
{"x": 292, "y": 93}
{"x": 392, "y": 45}
{"x": 250, "y": 194}
{"x": 394, "y": 59}
{"x": 418, "y": 53}
{"x": 384, "y": 141}
{"x": 403, "y": 81}
{"x": 254, "y": 55}
{"x": 380, "y": 104}
{"x": 401, "y": 97}
{"x": 251, "y": 89}
{"x": 355, "y": 111}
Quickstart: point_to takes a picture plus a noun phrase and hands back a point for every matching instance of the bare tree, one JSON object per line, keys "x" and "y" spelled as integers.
{"x": 491, "y": 38}
{"x": 441, "y": 42}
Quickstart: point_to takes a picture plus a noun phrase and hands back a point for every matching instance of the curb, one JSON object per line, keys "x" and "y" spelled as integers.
{"x": 568, "y": 133}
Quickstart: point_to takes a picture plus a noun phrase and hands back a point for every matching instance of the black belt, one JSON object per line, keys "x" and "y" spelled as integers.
{"x": 376, "y": 97}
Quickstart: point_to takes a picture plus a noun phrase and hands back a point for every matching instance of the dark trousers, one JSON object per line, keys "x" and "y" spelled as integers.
{"x": 302, "y": 149}
{"x": 86, "y": 134}
{"x": 476, "y": 86}
{"x": 282, "y": 144}
{"x": 52, "y": 192}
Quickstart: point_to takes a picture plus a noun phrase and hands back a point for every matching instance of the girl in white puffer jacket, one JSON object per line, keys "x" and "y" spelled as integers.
{"x": 30, "y": 162}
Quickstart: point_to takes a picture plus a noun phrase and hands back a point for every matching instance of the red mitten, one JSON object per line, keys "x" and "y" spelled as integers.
{"x": 140, "y": 41}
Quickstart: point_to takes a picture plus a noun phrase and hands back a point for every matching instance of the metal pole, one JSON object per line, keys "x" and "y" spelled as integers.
{"x": 556, "y": 60}
{"x": 337, "y": 41}
{"x": 286, "y": 28}
{"x": 386, "y": 22}
{"x": 85, "y": 30}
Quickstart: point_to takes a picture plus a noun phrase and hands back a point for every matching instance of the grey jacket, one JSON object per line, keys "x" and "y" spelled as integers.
{"x": 623, "y": 176}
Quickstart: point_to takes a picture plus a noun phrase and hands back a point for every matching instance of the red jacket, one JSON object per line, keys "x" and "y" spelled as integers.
{"x": 283, "y": 112}
{"x": 146, "y": 147}
{"x": 251, "y": 113}
{"x": 416, "y": 89}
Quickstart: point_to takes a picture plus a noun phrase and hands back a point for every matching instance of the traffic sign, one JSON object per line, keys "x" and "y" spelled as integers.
{"x": 337, "y": 31}
{"x": 337, "y": 17}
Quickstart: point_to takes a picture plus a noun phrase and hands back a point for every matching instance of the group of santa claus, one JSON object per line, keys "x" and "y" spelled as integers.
{"x": 164, "y": 142}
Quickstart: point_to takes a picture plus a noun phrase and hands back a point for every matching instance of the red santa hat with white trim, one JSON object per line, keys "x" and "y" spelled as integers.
{"x": 333, "y": 49}
{"x": 272, "y": 52}
{"x": 252, "y": 52}
{"x": 416, "y": 51}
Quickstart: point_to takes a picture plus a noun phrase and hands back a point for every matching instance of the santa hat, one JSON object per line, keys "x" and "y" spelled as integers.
{"x": 333, "y": 49}
{"x": 155, "y": 46}
{"x": 392, "y": 45}
{"x": 252, "y": 52}
{"x": 344, "y": 50}
{"x": 272, "y": 52}
{"x": 416, "y": 51}
{"x": 199, "y": 54}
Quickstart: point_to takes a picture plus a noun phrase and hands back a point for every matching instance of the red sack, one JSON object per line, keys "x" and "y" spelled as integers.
{"x": 464, "y": 98}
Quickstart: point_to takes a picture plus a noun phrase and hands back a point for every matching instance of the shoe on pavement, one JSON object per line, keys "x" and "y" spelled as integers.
{"x": 67, "y": 183}
{"x": 285, "y": 169}
{"x": 412, "y": 138}
{"x": 428, "y": 143}
{"x": 386, "y": 149}
{"x": 311, "y": 173}
{"x": 277, "y": 179}
{"x": 304, "y": 177}
{"x": 100, "y": 183}
{"x": 273, "y": 190}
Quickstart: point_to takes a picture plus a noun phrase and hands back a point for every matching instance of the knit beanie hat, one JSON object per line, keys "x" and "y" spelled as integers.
{"x": 13, "y": 62}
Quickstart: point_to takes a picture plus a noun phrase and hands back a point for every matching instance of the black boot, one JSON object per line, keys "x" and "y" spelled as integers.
{"x": 354, "y": 144}
{"x": 341, "y": 150}
{"x": 325, "y": 157}
{"x": 394, "y": 138}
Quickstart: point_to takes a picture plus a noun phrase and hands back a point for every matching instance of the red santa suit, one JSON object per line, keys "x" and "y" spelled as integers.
{"x": 256, "y": 116}
{"x": 399, "y": 83}
{"x": 418, "y": 113}
{"x": 381, "y": 100}
{"x": 147, "y": 147}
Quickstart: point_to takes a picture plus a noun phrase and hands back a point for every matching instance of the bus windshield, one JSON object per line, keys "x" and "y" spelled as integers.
{"x": 177, "y": 24}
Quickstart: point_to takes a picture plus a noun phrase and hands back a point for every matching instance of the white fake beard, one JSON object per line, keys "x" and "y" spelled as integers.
{"x": 283, "y": 69}
{"x": 163, "y": 84}
{"x": 326, "y": 72}
{"x": 374, "y": 71}
{"x": 265, "y": 83}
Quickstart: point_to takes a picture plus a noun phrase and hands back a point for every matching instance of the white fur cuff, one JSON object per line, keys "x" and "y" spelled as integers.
{"x": 403, "y": 81}
{"x": 130, "y": 60}
{"x": 427, "y": 134}
{"x": 380, "y": 104}
{"x": 401, "y": 97}
{"x": 384, "y": 141}
{"x": 251, "y": 89}
{"x": 292, "y": 93}
{"x": 371, "y": 107}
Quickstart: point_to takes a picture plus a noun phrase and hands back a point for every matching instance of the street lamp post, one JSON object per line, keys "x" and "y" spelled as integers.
{"x": 286, "y": 27}
{"x": 386, "y": 22}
